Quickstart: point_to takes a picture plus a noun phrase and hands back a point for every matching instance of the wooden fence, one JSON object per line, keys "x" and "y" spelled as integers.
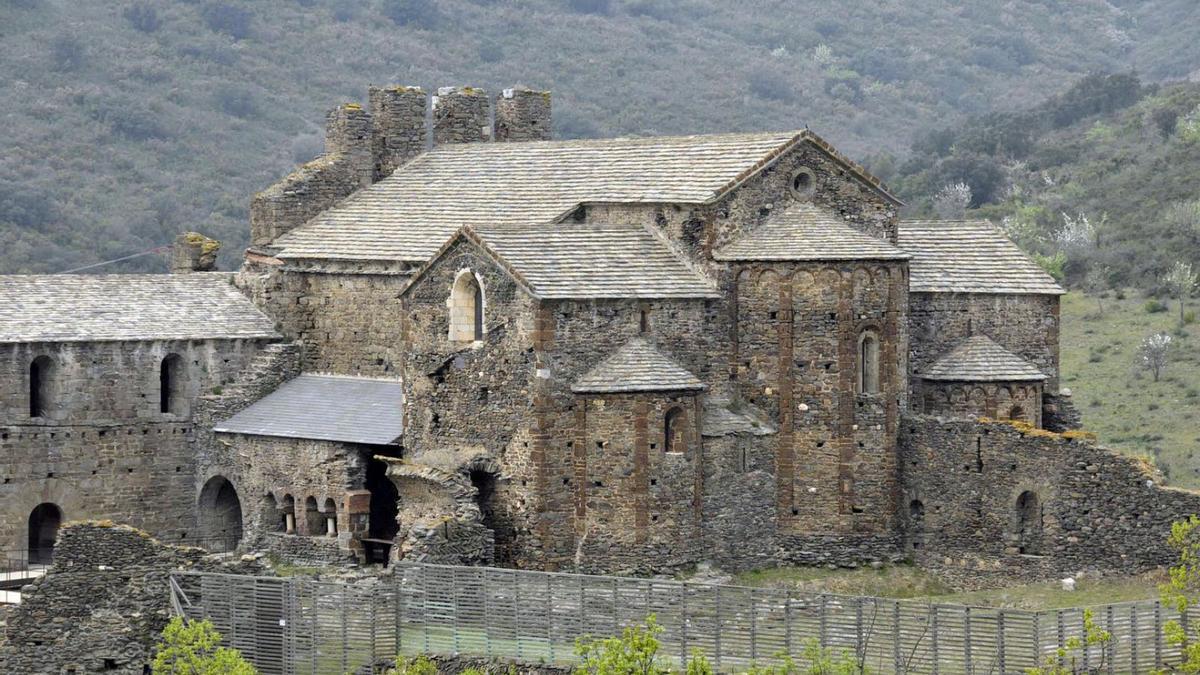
{"x": 298, "y": 625}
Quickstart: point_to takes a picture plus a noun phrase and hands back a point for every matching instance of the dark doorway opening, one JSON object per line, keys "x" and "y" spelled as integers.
{"x": 493, "y": 516}
{"x": 382, "y": 526}
{"x": 916, "y": 524}
{"x": 1029, "y": 524}
{"x": 220, "y": 516}
{"x": 44, "y": 522}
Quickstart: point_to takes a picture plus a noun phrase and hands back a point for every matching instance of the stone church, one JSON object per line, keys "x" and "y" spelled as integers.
{"x": 455, "y": 339}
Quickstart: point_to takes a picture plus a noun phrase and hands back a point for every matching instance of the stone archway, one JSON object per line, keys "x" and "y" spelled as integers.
{"x": 220, "y": 516}
{"x": 44, "y": 521}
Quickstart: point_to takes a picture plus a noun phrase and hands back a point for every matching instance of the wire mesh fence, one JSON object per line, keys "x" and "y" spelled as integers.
{"x": 298, "y": 625}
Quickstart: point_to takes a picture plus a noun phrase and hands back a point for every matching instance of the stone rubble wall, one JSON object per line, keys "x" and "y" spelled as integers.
{"x": 105, "y": 449}
{"x": 1100, "y": 511}
{"x": 103, "y": 604}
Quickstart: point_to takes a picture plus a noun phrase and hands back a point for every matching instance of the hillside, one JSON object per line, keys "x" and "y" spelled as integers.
{"x": 1106, "y": 174}
{"x": 1119, "y": 399}
{"x": 128, "y": 121}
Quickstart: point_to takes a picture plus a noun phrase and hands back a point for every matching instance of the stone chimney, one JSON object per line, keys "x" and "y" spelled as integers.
{"x": 398, "y": 130}
{"x": 460, "y": 115}
{"x": 523, "y": 115}
{"x": 348, "y": 135}
{"x": 194, "y": 252}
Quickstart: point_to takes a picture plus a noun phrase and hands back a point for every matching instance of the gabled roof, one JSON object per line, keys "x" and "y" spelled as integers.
{"x": 408, "y": 215}
{"x": 636, "y": 366}
{"x": 326, "y": 407}
{"x": 122, "y": 307}
{"x": 969, "y": 256}
{"x": 979, "y": 359}
{"x": 808, "y": 232}
{"x": 587, "y": 261}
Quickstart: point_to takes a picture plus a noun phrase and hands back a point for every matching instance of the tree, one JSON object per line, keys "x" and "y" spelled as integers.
{"x": 635, "y": 652}
{"x": 952, "y": 200}
{"x": 193, "y": 648}
{"x": 1096, "y": 283}
{"x": 1154, "y": 352}
{"x": 1065, "y": 660}
{"x": 1183, "y": 282}
{"x": 1183, "y": 591}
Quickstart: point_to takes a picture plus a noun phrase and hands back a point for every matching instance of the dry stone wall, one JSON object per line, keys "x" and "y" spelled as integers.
{"x": 103, "y": 604}
{"x": 989, "y": 503}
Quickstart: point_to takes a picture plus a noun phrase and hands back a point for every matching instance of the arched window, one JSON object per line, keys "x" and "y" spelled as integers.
{"x": 868, "y": 363}
{"x": 466, "y": 308}
{"x": 1016, "y": 413}
{"x": 41, "y": 386}
{"x": 330, "y": 517}
{"x": 675, "y": 430}
{"x": 171, "y": 396}
{"x": 1029, "y": 523}
{"x": 289, "y": 514}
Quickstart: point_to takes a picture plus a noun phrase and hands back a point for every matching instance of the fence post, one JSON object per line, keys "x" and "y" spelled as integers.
{"x": 858, "y": 627}
{"x": 933, "y": 630}
{"x": 485, "y": 588}
{"x": 550, "y": 615}
{"x": 1037, "y": 639}
{"x": 787, "y": 623}
{"x": 967, "y": 638}
{"x": 753, "y": 627}
{"x": 1087, "y": 660}
{"x": 823, "y": 623}
{"x": 399, "y": 613}
{"x": 1133, "y": 641}
{"x": 683, "y": 625}
{"x": 1158, "y": 629}
{"x": 899, "y": 665}
{"x": 516, "y": 596}
{"x": 1000, "y": 640}
{"x": 1062, "y": 632}
{"x": 719, "y": 624}
{"x": 1111, "y": 646}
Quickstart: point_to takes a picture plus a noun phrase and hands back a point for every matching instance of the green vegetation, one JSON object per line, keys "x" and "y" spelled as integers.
{"x": 1099, "y": 182}
{"x": 130, "y": 121}
{"x": 1066, "y": 659}
{"x": 193, "y": 648}
{"x": 910, "y": 582}
{"x": 1182, "y": 592}
{"x": 1118, "y": 396}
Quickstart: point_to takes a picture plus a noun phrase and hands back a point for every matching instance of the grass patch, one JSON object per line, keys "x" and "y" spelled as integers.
{"x": 1128, "y": 410}
{"x": 907, "y": 582}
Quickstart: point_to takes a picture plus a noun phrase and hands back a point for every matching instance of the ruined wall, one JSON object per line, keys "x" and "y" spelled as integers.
{"x": 1020, "y": 401}
{"x": 1094, "y": 509}
{"x": 1026, "y": 325}
{"x": 468, "y": 401}
{"x": 103, "y": 604}
{"x": 105, "y": 449}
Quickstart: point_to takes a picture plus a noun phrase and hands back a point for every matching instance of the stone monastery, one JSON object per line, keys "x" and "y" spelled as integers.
{"x": 454, "y": 339}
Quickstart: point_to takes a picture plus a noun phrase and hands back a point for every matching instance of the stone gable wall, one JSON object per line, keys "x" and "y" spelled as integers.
{"x": 1100, "y": 510}
{"x": 1026, "y": 325}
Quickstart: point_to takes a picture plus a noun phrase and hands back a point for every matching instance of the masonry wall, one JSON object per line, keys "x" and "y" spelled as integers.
{"x": 1020, "y": 401}
{"x": 470, "y": 401}
{"x": 1099, "y": 510}
{"x": 1026, "y": 325}
{"x": 637, "y": 505}
{"x": 104, "y": 449}
{"x": 797, "y": 358}
{"x": 103, "y": 605}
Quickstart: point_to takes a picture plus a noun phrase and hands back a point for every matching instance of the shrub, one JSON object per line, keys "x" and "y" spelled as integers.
{"x": 635, "y": 652}
{"x": 193, "y": 648}
{"x": 142, "y": 17}
{"x": 236, "y": 101}
{"x": 233, "y": 21}
{"x": 420, "y": 665}
{"x": 67, "y": 53}
{"x": 1154, "y": 307}
{"x": 415, "y": 13}
{"x": 1189, "y": 317}
{"x": 770, "y": 85}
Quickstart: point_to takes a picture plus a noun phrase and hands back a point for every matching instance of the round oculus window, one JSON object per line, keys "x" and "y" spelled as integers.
{"x": 804, "y": 183}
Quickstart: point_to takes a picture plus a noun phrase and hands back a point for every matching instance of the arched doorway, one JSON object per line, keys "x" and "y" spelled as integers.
{"x": 220, "y": 515}
{"x": 1029, "y": 523}
{"x": 44, "y": 522}
{"x": 382, "y": 526}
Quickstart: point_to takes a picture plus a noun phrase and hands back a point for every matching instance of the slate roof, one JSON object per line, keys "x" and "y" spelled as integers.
{"x": 590, "y": 261}
{"x": 959, "y": 256}
{"x": 808, "y": 232}
{"x": 636, "y": 366}
{"x": 979, "y": 359}
{"x": 327, "y": 408}
{"x": 110, "y": 307}
{"x": 408, "y": 215}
